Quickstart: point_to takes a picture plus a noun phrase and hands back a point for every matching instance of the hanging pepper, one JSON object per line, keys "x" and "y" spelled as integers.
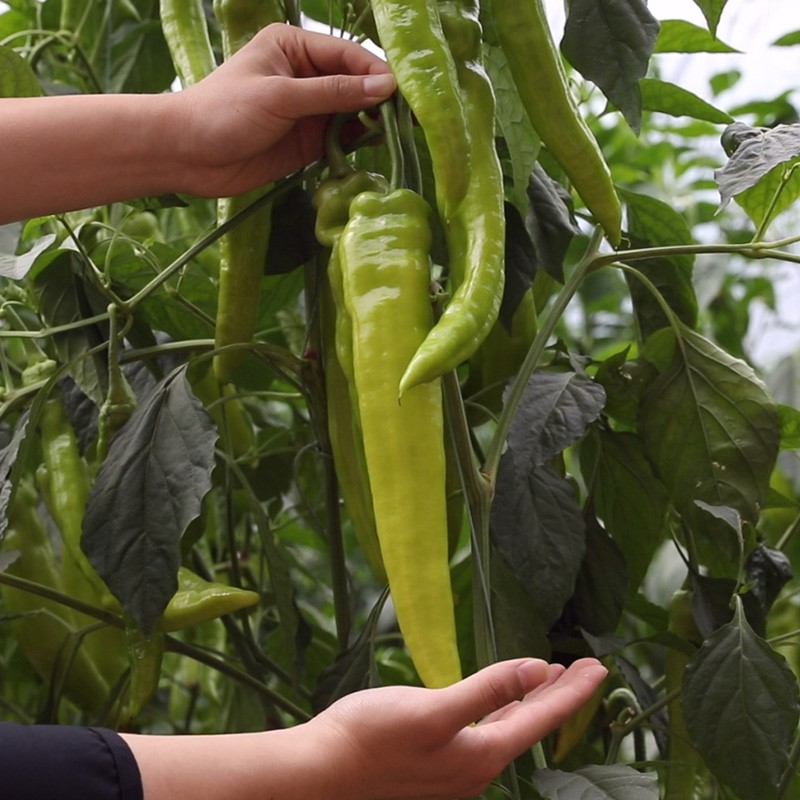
{"x": 476, "y": 234}
{"x": 412, "y": 38}
{"x": 145, "y": 654}
{"x": 538, "y": 73}
{"x": 243, "y": 251}
{"x": 332, "y": 202}
{"x": 198, "y": 600}
{"x": 186, "y": 32}
{"x": 384, "y": 255}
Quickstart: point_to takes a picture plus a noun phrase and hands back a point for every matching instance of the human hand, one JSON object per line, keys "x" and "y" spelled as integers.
{"x": 263, "y": 113}
{"x": 406, "y": 742}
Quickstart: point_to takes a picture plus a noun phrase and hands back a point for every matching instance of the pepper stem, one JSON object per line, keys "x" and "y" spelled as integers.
{"x": 389, "y": 117}
{"x": 338, "y": 165}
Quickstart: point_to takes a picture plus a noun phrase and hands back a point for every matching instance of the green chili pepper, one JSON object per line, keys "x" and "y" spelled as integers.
{"x": 198, "y": 600}
{"x": 476, "y": 234}
{"x": 384, "y": 256}
{"x": 45, "y": 630}
{"x": 332, "y": 201}
{"x": 412, "y": 38}
{"x": 243, "y": 251}
{"x": 538, "y": 73}
{"x": 186, "y": 33}
{"x": 145, "y": 654}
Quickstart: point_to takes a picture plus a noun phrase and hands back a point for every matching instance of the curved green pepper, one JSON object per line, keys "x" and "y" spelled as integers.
{"x": 384, "y": 256}
{"x": 412, "y": 38}
{"x": 538, "y": 73}
{"x": 476, "y": 234}
{"x": 332, "y": 202}
{"x": 198, "y": 600}
{"x": 186, "y": 32}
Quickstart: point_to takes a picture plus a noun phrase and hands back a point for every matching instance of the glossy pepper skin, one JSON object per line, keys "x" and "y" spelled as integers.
{"x": 412, "y": 38}
{"x": 538, "y": 73}
{"x": 186, "y": 32}
{"x": 243, "y": 251}
{"x": 476, "y": 234}
{"x": 332, "y": 202}
{"x": 384, "y": 255}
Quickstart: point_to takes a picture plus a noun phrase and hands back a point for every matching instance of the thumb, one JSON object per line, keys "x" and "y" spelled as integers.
{"x": 331, "y": 94}
{"x": 493, "y": 688}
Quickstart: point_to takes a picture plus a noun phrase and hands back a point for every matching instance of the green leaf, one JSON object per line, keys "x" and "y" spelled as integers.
{"x": 538, "y": 529}
{"x": 610, "y": 43}
{"x": 556, "y": 409}
{"x": 624, "y": 382}
{"x": 652, "y": 222}
{"x": 628, "y": 497}
{"x": 712, "y": 11}
{"x": 788, "y": 40}
{"x": 596, "y": 782}
{"x": 680, "y": 36}
{"x": 601, "y": 587}
{"x": 710, "y": 429}
{"x": 513, "y": 123}
{"x": 550, "y": 222}
{"x": 17, "y": 78}
{"x": 740, "y": 703}
{"x": 667, "y": 98}
{"x": 772, "y": 195}
{"x": 8, "y": 458}
{"x": 754, "y": 153}
{"x": 17, "y": 267}
{"x": 789, "y": 420}
{"x": 147, "y": 492}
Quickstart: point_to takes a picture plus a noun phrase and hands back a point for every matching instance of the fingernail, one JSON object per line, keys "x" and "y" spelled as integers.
{"x": 380, "y": 85}
{"x": 532, "y": 673}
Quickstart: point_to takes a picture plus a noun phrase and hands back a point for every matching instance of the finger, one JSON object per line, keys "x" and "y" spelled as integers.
{"x": 554, "y": 672}
{"x": 542, "y": 712}
{"x": 492, "y": 688}
{"x": 313, "y": 53}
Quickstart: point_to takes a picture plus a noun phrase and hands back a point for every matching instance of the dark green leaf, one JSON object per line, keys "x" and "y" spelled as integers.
{"x": 652, "y": 222}
{"x": 788, "y": 40}
{"x": 17, "y": 78}
{"x": 521, "y": 264}
{"x": 8, "y": 457}
{"x": 740, "y": 703}
{"x": 789, "y": 420}
{"x": 768, "y": 570}
{"x": 64, "y": 298}
{"x": 354, "y": 669}
{"x": 556, "y": 409}
{"x": 624, "y": 383}
{"x": 710, "y": 429}
{"x": 712, "y": 11}
{"x": 292, "y": 242}
{"x": 601, "y": 586}
{"x": 610, "y": 42}
{"x": 629, "y": 499}
{"x": 667, "y": 98}
{"x": 712, "y": 605}
{"x": 537, "y": 527}
{"x": 513, "y": 123}
{"x": 550, "y": 222}
{"x": 730, "y": 516}
{"x": 680, "y": 36}
{"x": 648, "y": 697}
{"x": 147, "y": 491}
{"x": 596, "y": 782}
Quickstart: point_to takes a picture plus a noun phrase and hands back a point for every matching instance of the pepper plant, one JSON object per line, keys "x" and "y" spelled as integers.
{"x": 199, "y": 508}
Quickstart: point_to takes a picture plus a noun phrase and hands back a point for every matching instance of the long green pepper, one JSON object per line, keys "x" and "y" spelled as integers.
{"x": 384, "y": 256}
{"x": 476, "y": 234}
{"x": 243, "y": 251}
{"x": 535, "y": 64}
{"x": 412, "y": 38}
{"x": 186, "y": 32}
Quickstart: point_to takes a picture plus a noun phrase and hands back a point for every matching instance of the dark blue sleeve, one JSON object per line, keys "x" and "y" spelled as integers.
{"x": 40, "y": 762}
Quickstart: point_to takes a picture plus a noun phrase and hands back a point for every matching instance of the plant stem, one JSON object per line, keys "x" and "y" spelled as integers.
{"x": 589, "y": 262}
